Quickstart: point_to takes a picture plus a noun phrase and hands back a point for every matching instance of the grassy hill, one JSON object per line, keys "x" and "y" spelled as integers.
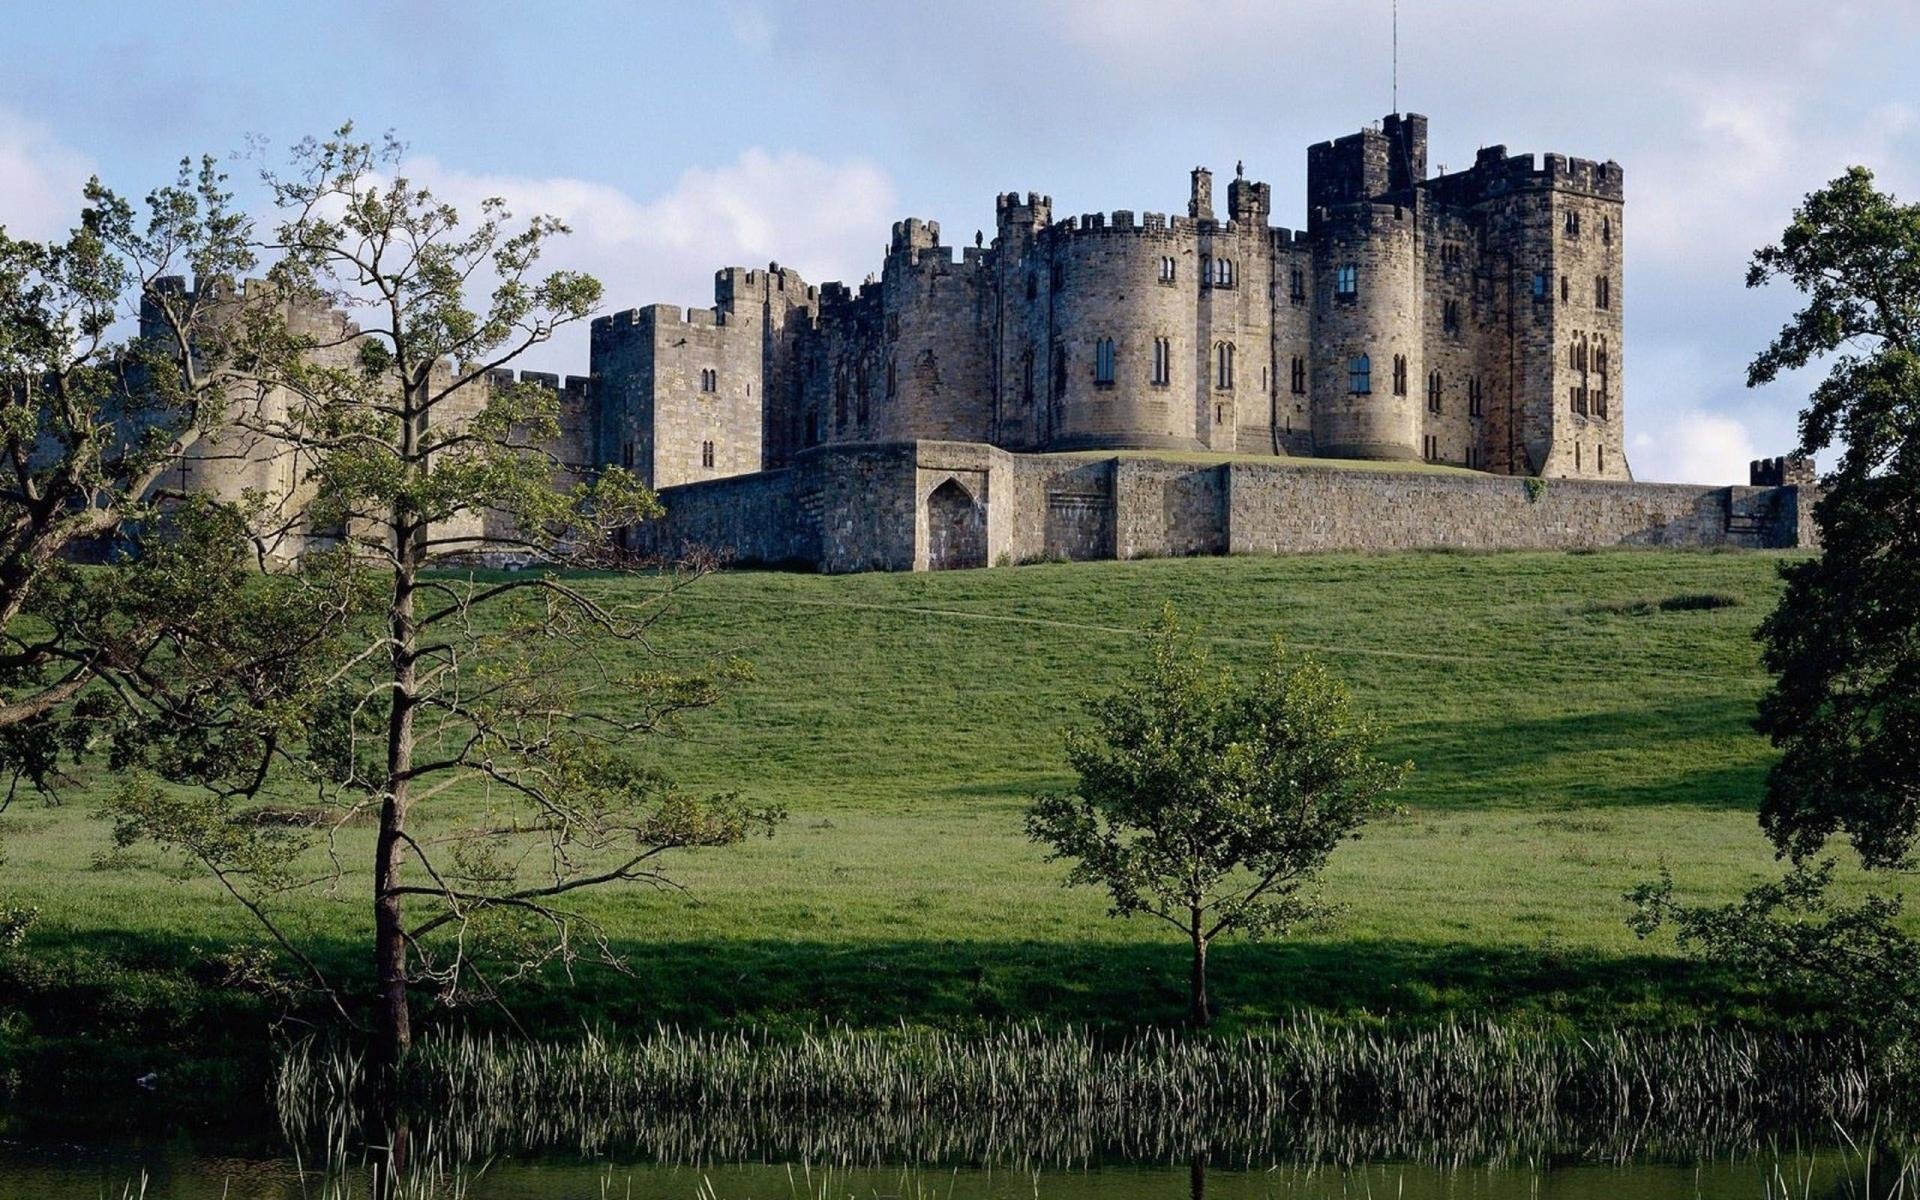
{"x": 1569, "y": 736}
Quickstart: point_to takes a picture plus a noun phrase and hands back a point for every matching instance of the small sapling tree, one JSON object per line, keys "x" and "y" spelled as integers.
{"x": 1211, "y": 801}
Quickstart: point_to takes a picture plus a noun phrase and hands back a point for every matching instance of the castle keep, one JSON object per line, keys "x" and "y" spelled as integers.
{"x": 1471, "y": 318}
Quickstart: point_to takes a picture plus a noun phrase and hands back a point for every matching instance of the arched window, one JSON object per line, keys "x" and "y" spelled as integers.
{"x": 1346, "y": 282}
{"x": 709, "y": 380}
{"x": 1360, "y": 375}
{"x": 1223, "y": 366}
{"x": 1433, "y": 391}
{"x": 1299, "y": 376}
{"x": 1223, "y": 272}
{"x": 1399, "y": 374}
{"x": 1162, "y": 361}
{"x": 706, "y": 454}
{"x": 1103, "y": 361}
{"x": 1026, "y": 376}
{"x": 1167, "y": 269}
{"x": 840, "y": 399}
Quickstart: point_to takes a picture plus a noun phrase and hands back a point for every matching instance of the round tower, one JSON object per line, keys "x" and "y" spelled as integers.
{"x": 1368, "y": 364}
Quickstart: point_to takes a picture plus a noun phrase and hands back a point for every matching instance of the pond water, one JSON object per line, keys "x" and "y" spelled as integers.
{"x": 176, "y": 1171}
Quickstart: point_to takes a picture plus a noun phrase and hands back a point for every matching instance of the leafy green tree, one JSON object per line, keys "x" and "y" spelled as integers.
{"x": 1844, "y": 642}
{"x": 508, "y": 702}
{"x": 1211, "y": 802}
{"x": 90, "y": 426}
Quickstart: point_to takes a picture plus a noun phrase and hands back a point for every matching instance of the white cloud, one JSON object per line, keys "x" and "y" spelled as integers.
{"x": 1690, "y": 446}
{"x": 40, "y": 179}
{"x": 828, "y": 220}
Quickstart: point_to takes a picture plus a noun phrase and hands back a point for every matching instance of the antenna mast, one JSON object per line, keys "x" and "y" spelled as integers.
{"x": 1396, "y": 55}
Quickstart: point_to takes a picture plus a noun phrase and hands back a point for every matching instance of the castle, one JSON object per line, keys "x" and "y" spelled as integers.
{"x": 1117, "y": 385}
{"x": 1471, "y": 318}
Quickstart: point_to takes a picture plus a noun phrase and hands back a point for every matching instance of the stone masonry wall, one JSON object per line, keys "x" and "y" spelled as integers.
{"x": 868, "y": 507}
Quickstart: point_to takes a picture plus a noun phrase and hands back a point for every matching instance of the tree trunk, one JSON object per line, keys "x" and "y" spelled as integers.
{"x": 393, "y": 1025}
{"x": 1197, "y": 1012}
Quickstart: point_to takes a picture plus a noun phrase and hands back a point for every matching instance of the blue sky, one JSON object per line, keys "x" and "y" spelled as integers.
{"x": 680, "y": 137}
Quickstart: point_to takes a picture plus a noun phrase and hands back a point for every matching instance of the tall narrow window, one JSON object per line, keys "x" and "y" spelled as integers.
{"x": 626, "y": 455}
{"x": 1167, "y": 269}
{"x": 709, "y": 380}
{"x": 1450, "y": 315}
{"x": 1223, "y": 366}
{"x": 1103, "y": 361}
{"x": 840, "y": 400}
{"x": 1572, "y": 223}
{"x": 893, "y": 378}
{"x": 813, "y": 429}
{"x": 1539, "y": 287}
{"x": 1026, "y": 376}
{"x": 1059, "y": 370}
{"x": 706, "y": 454}
{"x": 1576, "y": 456}
{"x": 1346, "y": 282}
{"x": 1360, "y": 375}
{"x": 1600, "y": 459}
{"x": 1057, "y": 276}
{"x": 1399, "y": 374}
{"x": 1299, "y": 376}
{"x": 1162, "y": 361}
{"x": 1206, "y": 270}
{"x": 1297, "y": 286}
{"x": 1430, "y": 447}
{"x": 1606, "y": 230}
{"x": 1566, "y": 288}
{"x": 1602, "y": 292}
{"x": 1475, "y": 406}
{"x": 1433, "y": 391}
{"x": 861, "y": 408}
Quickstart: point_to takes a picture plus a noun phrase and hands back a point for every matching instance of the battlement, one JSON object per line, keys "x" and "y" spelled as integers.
{"x": 572, "y": 391}
{"x": 1791, "y": 470}
{"x": 1035, "y": 212}
{"x": 914, "y": 234}
{"x": 1495, "y": 172}
{"x": 731, "y": 282}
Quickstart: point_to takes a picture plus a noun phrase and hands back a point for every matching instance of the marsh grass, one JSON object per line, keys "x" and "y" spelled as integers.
{"x": 1026, "y": 1095}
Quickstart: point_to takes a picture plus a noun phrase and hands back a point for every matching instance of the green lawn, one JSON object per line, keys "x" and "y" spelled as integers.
{"x": 1562, "y": 752}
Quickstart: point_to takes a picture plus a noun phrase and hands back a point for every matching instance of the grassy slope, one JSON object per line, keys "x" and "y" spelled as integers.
{"x": 1562, "y": 755}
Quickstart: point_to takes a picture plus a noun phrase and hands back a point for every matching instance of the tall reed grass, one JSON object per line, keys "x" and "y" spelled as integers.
{"x": 1029, "y": 1096}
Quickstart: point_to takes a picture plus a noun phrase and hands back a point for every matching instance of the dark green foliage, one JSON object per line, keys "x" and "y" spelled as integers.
{"x": 1845, "y": 641}
{"x": 1211, "y": 802}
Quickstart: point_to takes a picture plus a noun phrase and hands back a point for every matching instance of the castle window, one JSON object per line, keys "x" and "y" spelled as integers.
{"x": 1223, "y": 272}
{"x": 1473, "y": 457}
{"x": 709, "y": 380}
{"x": 893, "y": 378}
{"x": 706, "y": 454}
{"x": 1206, "y": 270}
{"x": 1433, "y": 391}
{"x": 1219, "y": 413}
{"x": 1602, "y": 292}
{"x": 1539, "y": 287}
{"x": 1059, "y": 276}
{"x": 626, "y": 455}
{"x": 1576, "y": 456}
{"x": 1223, "y": 366}
{"x": 813, "y": 429}
{"x": 893, "y": 325}
{"x": 1103, "y": 361}
{"x": 1430, "y": 447}
{"x": 1346, "y": 282}
{"x": 1162, "y": 361}
{"x": 1360, "y": 375}
{"x": 1059, "y": 370}
{"x": 1033, "y": 285}
{"x": 1399, "y": 374}
{"x": 1168, "y": 268}
{"x": 1026, "y": 376}
{"x": 1572, "y": 225}
{"x": 1600, "y": 458}
{"x": 1297, "y": 286}
{"x": 1606, "y": 230}
{"x": 861, "y": 409}
{"x": 1566, "y": 288}
{"x": 1450, "y": 315}
{"x": 840, "y": 399}
{"x": 1475, "y": 405}
{"x": 1299, "y": 379}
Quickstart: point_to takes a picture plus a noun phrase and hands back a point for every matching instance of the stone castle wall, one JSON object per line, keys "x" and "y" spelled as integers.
{"x": 909, "y": 505}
